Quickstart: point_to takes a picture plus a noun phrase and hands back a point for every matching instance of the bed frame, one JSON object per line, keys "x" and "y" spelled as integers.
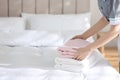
{"x": 13, "y": 8}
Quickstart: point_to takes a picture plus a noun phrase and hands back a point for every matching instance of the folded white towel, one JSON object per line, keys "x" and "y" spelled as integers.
{"x": 68, "y": 61}
{"x": 71, "y": 68}
{"x": 75, "y": 65}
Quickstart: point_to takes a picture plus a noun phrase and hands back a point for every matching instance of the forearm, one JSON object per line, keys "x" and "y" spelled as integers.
{"x": 96, "y": 28}
{"x": 111, "y": 34}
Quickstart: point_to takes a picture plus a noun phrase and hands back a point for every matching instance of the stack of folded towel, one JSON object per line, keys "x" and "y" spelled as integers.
{"x": 66, "y": 62}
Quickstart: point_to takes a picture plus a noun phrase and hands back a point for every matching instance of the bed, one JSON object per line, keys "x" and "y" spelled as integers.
{"x": 22, "y": 64}
{"x": 28, "y": 43}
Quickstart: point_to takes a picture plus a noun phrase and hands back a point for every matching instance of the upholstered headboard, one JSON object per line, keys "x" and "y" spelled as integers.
{"x": 12, "y": 8}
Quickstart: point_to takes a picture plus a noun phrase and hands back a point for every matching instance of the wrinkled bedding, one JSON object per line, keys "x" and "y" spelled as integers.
{"x": 32, "y": 63}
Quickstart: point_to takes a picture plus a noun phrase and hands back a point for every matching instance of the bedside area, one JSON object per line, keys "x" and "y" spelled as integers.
{"x": 110, "y": 53}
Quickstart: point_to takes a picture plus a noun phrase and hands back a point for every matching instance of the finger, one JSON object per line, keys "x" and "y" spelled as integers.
{"x": 72, "y": 38}
{"x": 75, "y": 49}
{"x": 75, "y": 37}
{"x": 83, "y": 57}
{"x": 75, "y": 56}
{"x": 79, "y": 58}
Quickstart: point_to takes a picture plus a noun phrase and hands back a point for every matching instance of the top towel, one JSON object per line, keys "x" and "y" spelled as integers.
{"x": 67, "y": 51}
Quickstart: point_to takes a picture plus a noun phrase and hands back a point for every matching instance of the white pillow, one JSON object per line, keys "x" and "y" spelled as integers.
{"x": 12, "y": 24}
{"x": 27, "y": 15}
{"x": 58, "y": 22}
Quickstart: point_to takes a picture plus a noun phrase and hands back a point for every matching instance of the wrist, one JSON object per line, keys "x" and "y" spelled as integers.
{"x": 90, "y": 48}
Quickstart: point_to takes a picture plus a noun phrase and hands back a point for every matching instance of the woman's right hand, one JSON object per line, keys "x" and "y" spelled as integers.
{"x": 78, "y": 37}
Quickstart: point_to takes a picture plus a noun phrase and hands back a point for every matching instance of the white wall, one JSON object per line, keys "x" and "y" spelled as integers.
{"x": 95, "y": 11}
{"x": 96, "y": 15}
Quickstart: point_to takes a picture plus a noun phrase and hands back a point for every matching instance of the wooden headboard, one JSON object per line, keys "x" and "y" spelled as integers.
{"x": 13, "y": 8}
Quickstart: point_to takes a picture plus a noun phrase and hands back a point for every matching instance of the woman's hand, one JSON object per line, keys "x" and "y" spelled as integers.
{"x": 81, "y": 53}
{"x": 78, "y": 37}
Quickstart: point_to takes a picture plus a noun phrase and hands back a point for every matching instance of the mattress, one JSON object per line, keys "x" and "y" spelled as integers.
{"x": 37, "y": 63}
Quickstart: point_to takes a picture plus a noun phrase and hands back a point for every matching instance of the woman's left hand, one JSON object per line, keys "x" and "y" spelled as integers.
{"x": 81, "y": 53}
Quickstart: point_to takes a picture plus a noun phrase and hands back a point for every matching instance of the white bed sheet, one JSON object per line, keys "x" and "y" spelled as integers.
{"x": 30, "y": 63}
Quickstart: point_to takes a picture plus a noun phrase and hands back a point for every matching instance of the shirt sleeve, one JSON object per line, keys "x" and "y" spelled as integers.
{"x": 113, "y": 12}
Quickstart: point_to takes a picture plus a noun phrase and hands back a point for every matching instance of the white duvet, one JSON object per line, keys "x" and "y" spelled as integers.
{"x": 38, "y": 74}
{"x": 30, "y": 63}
